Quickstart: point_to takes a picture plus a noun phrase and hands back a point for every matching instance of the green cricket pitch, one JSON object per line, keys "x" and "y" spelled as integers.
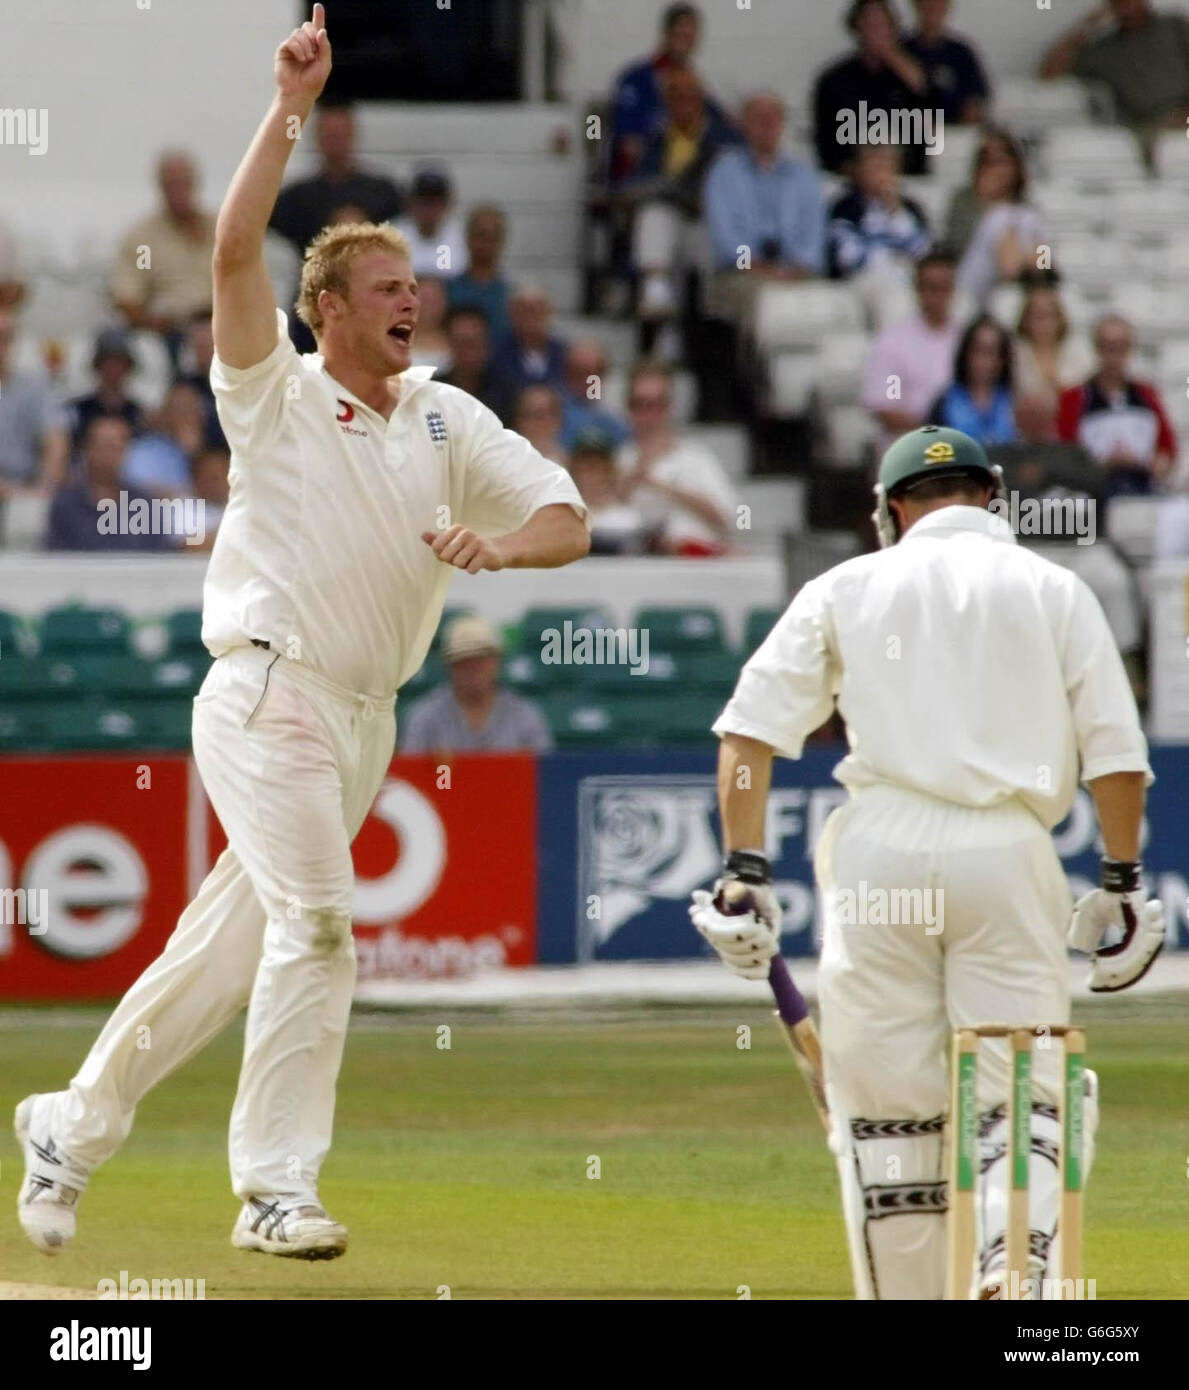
{"x": 645, "y": 1154}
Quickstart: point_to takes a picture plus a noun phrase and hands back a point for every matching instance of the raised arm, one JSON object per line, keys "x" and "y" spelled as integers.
{"x": 245, "y": 321}
{"x": 1059, "y": 60}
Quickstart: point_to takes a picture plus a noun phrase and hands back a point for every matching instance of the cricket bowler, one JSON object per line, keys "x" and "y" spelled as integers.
{"x": 978, "y": 683}
{"x": 358, "y": 485}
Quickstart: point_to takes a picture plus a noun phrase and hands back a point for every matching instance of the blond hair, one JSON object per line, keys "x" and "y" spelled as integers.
{"x": 329, "y": 258}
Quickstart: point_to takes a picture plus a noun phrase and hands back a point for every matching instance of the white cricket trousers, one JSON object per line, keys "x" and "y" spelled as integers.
{"x": 991, "y": 949}
{"x": 292, "y": 765}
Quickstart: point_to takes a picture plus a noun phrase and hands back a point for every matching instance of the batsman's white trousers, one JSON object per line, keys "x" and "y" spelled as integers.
{"x": 292, "y": 764}
{"x": 891, "y": 993}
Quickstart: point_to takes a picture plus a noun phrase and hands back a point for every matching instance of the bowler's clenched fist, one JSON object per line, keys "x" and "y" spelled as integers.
{"x": 462, "y": 548}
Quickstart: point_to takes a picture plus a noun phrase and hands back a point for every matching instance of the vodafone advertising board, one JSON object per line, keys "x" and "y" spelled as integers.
{"x": 98, "y": 857}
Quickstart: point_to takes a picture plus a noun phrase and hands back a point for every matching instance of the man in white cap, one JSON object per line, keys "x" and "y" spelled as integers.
{"x": 473, "y": 712}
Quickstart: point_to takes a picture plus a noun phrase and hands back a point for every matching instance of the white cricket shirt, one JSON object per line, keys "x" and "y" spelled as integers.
{"x": 965, "y": 667}
{"x": 319, "y": 552}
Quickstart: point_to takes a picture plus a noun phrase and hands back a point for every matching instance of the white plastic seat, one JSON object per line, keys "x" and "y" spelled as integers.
{"x": 1030, "y": 106}
{"x": 1096, "y": 155}
{"x": 1149, "y": 308}
{"x": 850, "y": 433}
{"x": 1066, "y": 208}
{"x": 1131, "y": 526}
{"x": 790, "y": 316}
{"x": 1150, "y": 207}
{"x": 840, "y": 367}
{"x": 792, "y": 378}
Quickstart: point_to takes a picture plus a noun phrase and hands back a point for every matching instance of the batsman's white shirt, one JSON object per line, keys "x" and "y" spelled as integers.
{"x": 319, "y": 552}
{"x": 965, "y": 666}
{"x": 974, "y": 678}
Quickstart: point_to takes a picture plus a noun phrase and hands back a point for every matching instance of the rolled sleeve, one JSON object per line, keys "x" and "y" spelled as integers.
{"x": 787, "y": 688}
{"x": 1106, "y": 723}
{"x": 506, "y": 480}
{"x": 251, "y": 400}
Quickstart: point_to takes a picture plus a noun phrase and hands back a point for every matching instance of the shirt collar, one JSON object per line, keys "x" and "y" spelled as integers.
{"x": 410, "y": 379}
{"x": 963, "y": 518}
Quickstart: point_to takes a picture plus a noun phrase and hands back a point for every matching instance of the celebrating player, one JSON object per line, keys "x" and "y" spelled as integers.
{"x": 977, "y": 682}
{"x": 357, "y": 485}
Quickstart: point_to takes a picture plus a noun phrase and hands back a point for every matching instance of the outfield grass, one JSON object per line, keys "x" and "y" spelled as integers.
{"x": 468, "y": 1168}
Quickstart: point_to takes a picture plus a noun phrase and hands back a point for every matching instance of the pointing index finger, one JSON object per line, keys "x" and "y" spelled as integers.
{"x": 319, "y": 18}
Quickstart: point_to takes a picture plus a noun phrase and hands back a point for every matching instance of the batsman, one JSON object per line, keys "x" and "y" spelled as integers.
{"x": 979, "y": 683}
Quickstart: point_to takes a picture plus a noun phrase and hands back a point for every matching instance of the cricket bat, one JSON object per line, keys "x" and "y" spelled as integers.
{"x": 792, "y": 1012}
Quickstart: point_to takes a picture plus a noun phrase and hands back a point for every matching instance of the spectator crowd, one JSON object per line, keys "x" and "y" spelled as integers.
{"x": 707, "y": 205}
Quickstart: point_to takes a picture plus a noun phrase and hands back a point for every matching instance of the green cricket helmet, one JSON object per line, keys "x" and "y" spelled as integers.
{"x": 933, "y": 451}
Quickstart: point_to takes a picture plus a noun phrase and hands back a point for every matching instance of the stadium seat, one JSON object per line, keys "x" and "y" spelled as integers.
{"x": 539, "y": 621}
{"x": 664, "y": 672}
{"x": 1150, "y": 209}
{"x": 167, "y": 724}
{"x": 760, "y": 622}
{"x": 33, "y": 677}
{"x": 951, "y": 168}
{"x": 730, "y": 445}
{"x": 26, "y": 520}
{"x": 1171, "y": 154}
{"x": 1094, "y": 263}
{"x": 582, "y": 720}
{"x": 119, "y": 674}
{"x": 776, "y": 506}
{"x": 792, "y": 381}
{"x": 184, "y": 628}
{"x": 840, "y": 366}
{"x": 1093, "y": 155}
{"x": 931, "y": 195}
{"x": 800, "y": 316}
{"x": 179, "y": 675}
{"x": 1173, "y": 366}
{"x": 1131, "y": 526}
{"x": 710, "y": 673}
{"x": 850, "y": 435}
{"x": 682, "y": 629}
{"x": 1173, "y": 263}
{"x": 1152, "y": 311}
{"x": 525, "y": 672}
{"x": 91, "y": 726}
{"x": 1067, "y": 209}
{"x": 688, "y": 718}
{"x": 22, "y": 726}
{"x": 74, "y": 627}
{"x": 12, "y": 634}
{"x": 1033, "y": 107}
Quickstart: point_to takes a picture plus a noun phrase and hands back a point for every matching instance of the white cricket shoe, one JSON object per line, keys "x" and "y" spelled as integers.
{"x": 53, "y": 1184}
{"x": 299, "y": 1232}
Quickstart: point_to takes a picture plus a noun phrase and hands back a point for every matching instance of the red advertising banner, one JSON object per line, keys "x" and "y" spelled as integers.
{"x": 95, "y": 869}
{"x": 92, "y": 871}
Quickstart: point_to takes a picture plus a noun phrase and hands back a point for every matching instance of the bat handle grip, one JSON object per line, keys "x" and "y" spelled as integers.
{"x": 790, "y": 1002}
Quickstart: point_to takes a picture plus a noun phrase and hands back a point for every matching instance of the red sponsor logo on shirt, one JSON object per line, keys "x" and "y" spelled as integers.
{"x": 347, "y": 414}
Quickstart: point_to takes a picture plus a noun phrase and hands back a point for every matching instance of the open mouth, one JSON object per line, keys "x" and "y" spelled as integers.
{"x": 403, "y": 332}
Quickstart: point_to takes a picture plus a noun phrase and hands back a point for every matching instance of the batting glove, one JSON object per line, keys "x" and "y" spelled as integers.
{"x": 1121, "y": 906}
{"x": 740, "y": 918}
